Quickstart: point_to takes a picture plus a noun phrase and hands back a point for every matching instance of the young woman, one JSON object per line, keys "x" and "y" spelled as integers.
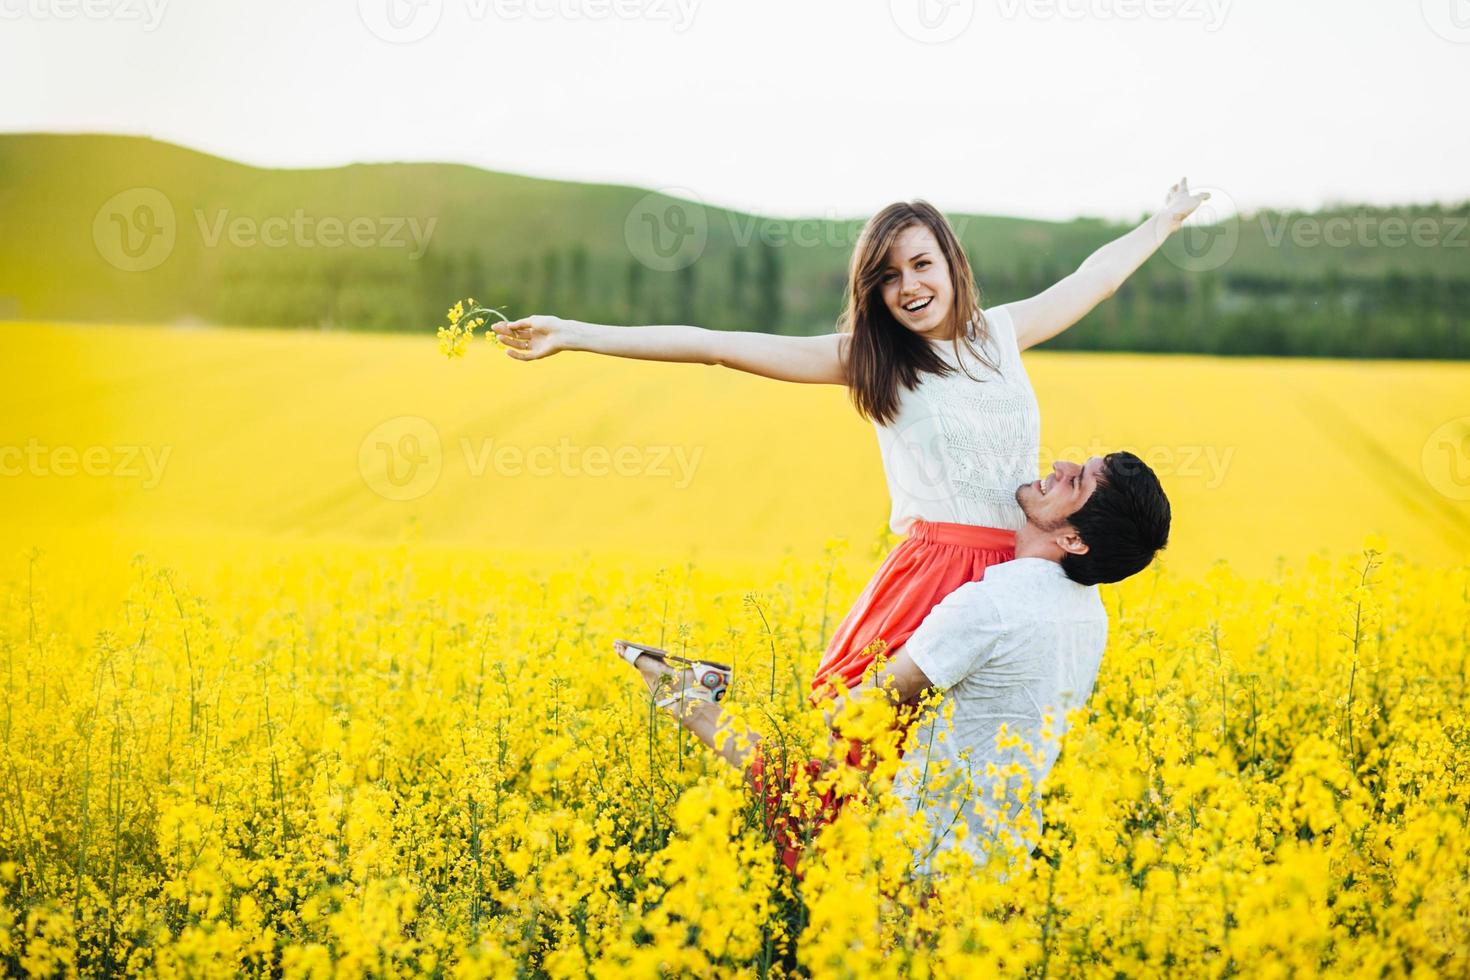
{"x": 941, "y": 380}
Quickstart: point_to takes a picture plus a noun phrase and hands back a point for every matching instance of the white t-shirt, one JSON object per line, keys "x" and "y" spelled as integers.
{"x": 959, "y": 447}
{"x": 1023, "y": 642}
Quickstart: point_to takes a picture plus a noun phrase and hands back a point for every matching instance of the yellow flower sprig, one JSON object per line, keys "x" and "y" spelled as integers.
{"x": 465, "y": 316}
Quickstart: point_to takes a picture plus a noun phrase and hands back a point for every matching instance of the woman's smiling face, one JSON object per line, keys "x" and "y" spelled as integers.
{"x": 915, "y": 283}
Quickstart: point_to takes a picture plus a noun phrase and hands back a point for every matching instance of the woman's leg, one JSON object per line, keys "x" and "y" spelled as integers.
{"x": 741, "y": 747}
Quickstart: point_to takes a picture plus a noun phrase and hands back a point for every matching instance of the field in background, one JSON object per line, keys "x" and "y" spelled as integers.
{"x": 241, "y": 442}
{"x": 306, "y": 680}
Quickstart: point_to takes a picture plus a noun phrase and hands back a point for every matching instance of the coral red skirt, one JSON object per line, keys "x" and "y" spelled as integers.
{"x": 931, "y": 562}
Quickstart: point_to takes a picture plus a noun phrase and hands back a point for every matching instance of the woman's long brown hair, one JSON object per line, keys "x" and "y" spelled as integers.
{"x": 883, "y": 353}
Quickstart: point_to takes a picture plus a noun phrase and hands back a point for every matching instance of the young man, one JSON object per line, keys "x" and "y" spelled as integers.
{"x": 1019, "y": 646}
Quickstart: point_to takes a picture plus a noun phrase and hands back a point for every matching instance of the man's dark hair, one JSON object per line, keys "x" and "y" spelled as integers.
{"x": 1124, "y": 523}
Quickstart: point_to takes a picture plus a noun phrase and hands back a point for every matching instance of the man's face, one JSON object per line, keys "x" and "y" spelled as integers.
{"x": 1050, "y": 502}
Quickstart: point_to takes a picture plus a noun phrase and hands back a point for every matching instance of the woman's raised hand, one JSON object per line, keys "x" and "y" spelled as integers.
{"x": 1179, "y": 203}
{"x": 531, "y": 337}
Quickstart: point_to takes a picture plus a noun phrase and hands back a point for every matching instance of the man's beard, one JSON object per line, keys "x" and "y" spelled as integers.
{"x": 1046, "y": 527}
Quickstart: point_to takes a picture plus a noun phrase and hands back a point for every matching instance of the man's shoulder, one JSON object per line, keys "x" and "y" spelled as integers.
{"x": 1037, "y": 589}
{"x": 974, "y": 599}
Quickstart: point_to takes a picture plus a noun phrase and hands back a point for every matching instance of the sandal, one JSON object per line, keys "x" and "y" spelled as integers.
{"x": 704, "y": 680}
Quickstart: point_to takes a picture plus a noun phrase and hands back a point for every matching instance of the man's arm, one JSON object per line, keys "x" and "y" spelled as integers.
{"x": 900, "y": 678}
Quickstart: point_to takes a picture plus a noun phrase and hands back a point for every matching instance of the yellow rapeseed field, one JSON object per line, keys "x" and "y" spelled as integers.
{"x": 308, "y": 671}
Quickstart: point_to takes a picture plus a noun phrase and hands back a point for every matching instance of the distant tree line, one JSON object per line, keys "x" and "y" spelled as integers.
{"x": 1161, "y": 308}
{"x": 1240, "y": 313}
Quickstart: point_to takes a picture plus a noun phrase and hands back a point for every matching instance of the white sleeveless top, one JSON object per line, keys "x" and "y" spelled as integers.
{"x": 959, "y": 448}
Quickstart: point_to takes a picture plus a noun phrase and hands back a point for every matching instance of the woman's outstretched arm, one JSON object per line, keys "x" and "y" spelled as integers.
{"x": 1048, "y": 313}
{"x": 811, "y": 360}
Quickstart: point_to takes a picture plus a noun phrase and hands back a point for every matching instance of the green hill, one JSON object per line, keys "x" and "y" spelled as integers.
{"x": 123, "y": 229}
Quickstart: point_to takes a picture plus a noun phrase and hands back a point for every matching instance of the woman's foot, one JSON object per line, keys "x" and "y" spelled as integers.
{"x": 674, "y": 685}
{"x": 661, "y": 678}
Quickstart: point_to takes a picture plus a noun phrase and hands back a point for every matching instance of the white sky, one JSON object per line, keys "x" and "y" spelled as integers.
{"x": 1046, "y": 108}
